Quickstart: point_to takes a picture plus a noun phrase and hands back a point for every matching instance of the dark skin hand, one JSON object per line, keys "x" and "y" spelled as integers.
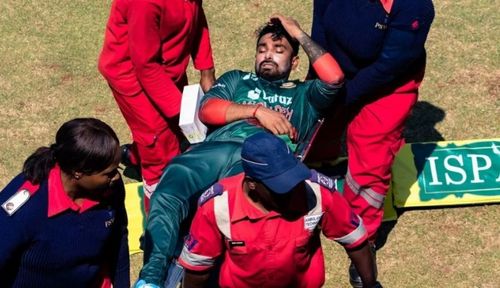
{"x": 207, "y": 79}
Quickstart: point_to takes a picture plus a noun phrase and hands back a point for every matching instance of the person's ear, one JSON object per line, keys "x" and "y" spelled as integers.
{"x": 295, "y": 62}
{"x": 252, "y": 185}
{"x": 77, "y": 175}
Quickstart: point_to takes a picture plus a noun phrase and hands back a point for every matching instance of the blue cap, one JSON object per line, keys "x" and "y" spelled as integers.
{"x": 266, "y": 158}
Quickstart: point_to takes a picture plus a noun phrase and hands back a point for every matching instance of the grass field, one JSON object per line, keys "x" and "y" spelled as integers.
{"x": 48, "y": 55}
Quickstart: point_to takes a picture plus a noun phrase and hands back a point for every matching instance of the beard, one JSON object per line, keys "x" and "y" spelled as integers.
{"x": 270, "y": 71}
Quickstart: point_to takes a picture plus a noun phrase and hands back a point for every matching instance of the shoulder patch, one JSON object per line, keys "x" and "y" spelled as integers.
{"x": 16, "y": 201}
{"x": 215, "y": 190}
{"x": 325, "y": 181}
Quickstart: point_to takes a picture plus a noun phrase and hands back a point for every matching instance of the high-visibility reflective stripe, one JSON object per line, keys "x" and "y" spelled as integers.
{"x": 196, "y": 259}
{"x": 373, "y": 198}
{"x": 354, "y": 236}
{"x": 221, "y": 210}
{"x": 352, "y": 184}
{"x": 318, "y": 209}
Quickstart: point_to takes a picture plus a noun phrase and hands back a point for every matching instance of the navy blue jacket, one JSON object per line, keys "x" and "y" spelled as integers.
{"x": 65, "y": 250}
{"x": 374, "y": 48}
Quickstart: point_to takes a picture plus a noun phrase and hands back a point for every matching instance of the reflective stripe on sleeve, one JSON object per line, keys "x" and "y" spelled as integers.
{"x": 195, "y": 260}
{"x": 373, "y": 198}
{"x": 318, "y": 209}
{"x": 354, "y": 236}
{"x": 221, "y": 210}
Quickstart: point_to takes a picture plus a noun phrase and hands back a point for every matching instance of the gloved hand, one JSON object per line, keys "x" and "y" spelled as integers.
{"x": 142, "y": 284}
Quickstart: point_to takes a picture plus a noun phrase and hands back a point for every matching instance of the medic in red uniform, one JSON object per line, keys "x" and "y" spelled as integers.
{"x": 146, "y": 51}
{"x": 265, "y": 223}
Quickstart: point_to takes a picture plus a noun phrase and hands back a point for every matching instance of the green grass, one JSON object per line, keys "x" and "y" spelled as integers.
{"x": 48, "y": 56}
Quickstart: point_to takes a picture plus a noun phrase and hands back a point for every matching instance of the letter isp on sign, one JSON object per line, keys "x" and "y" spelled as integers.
{"x": 451, "y": 169}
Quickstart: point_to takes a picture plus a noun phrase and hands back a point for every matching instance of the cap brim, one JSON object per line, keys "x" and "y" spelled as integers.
{"x": 286, "y": 181}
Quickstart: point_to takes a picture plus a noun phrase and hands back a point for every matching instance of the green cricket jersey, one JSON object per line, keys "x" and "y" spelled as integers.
{"x": 302, "y": 103}
{"x": 219, "y": 156}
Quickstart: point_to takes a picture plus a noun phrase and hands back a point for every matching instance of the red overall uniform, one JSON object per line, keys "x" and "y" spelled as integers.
{"x": 146, "y": 51}
{"x": 266, "y": 249}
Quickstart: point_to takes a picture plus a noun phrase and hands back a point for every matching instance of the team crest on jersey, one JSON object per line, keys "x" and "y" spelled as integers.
{"x": 16, "y": 201}
{"x": 216, "y": 190}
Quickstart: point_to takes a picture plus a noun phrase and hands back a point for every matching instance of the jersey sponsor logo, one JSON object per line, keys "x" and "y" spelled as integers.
{"x": 216, "y": 190}
{"x": 16, "y": 201}
{"x": 255, "y": 94}
{"x": 311, "y": 221}
{"x": 286, "y": 111}
{"x": 283, "y": 100}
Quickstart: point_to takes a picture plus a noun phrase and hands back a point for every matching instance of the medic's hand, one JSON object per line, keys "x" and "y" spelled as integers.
{"x": 142, "y": 284}
{"x": 207, "y": 79}
{"x": 275, "y": 122}
{"x": 291, "y": 25}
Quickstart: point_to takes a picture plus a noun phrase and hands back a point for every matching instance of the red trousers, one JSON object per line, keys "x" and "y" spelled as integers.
{"x": 155, "y": 136}
{"x": 374, "y": 136}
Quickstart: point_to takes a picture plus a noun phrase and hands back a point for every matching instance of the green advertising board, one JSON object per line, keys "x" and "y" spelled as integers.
{"x": 447, "y": 173}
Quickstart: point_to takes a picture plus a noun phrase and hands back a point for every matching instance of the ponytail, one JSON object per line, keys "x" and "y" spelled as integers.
{"x": 37, "y": 166}
{"x": 85, "y": 145}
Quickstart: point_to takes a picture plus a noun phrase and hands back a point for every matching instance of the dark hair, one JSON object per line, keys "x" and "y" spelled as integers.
{"x": 278, "y": 31}
{"x": 85, "y": 145}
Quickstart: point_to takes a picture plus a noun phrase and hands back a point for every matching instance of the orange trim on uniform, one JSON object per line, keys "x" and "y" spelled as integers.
{"x": 327, "y": 69}
{"x": 59, "y": 201}
{"x": 214, "y": 111}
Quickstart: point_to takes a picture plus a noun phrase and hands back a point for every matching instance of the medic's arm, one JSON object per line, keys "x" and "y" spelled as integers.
{"x": 202, "y": 247}
{"x": 202, "y": 53}
{"x": 342, "y": 225}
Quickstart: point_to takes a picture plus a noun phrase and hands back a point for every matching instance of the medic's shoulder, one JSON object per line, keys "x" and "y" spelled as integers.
{"x": 323, "y": 180}
{"x": 214, "y": 191}
{"x": 19, "y": 197}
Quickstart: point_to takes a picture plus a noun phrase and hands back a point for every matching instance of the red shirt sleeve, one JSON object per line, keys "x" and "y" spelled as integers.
{"x": 145, "y": 53}
{"x": 339, "y": 222}
{"x": 202, "y": 49}
{"x": 204, "y": 243}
